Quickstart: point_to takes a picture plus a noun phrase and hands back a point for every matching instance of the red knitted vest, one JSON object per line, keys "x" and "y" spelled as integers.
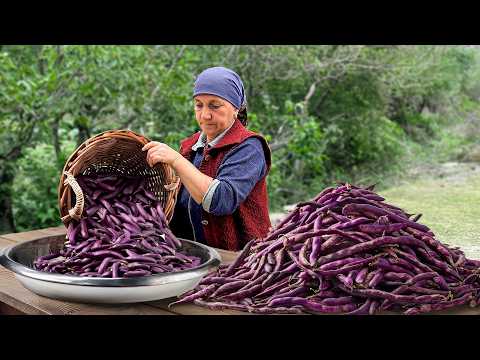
{"x": 251, "y": 220}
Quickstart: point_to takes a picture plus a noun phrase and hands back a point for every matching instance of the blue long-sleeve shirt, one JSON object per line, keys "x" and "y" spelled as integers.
{"x": 238, "y": 173}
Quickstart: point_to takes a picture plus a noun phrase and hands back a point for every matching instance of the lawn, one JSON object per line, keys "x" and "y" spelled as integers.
{"x": 450, "y": 208}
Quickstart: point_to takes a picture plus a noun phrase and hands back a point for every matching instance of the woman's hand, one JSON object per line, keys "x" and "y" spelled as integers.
{"x": 159, "y": 152}
{"x": 195, "y": 181}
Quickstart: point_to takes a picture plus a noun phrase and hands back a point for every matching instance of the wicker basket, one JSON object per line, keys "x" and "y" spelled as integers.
{"x": 116, "y": 152}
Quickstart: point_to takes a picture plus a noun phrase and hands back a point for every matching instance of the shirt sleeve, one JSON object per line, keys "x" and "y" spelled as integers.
{"x": 208, "y": 197}
{"x": 240, "y": 170}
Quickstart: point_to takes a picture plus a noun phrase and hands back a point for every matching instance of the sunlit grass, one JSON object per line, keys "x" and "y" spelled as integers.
{"x": 450, "y": 209}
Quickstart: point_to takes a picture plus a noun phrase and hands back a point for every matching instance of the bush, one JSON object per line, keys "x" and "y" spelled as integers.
{"x": 35, "y": 188}
{"x": 332, "y": 112}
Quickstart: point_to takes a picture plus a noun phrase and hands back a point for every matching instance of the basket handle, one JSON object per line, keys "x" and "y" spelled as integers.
{"x": 172, "y": 186}
{"x": 75, "y": 212}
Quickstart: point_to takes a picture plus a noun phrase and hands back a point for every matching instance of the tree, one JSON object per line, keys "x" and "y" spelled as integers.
{"x": 329, "y": 112}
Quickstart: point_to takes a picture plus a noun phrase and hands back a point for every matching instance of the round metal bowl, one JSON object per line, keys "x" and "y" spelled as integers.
{"x": 19, "y": 259}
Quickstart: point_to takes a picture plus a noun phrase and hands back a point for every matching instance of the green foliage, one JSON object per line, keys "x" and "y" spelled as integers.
{"x": 330, "y": 112}
{"x": 35, "y": 189}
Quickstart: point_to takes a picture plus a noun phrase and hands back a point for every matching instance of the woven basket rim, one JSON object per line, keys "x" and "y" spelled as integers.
{"x": 169, "y": 188}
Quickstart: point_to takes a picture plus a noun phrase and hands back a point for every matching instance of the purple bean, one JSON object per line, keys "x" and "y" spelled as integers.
{"x": 121, "y": 206}
{"x": 376, "y": 279}
{"x": 244, "y": 293}
{"x": 220, "y": 305}
{"x": 275, "y": 287}
{"x": 316, "y": 246}
{"x": 92, "y": 210}
{"x": 302, "y": 255}
{"x": 313, "y": 274}
{"x": 104, "y": 265}
{"x": 136, "y": 273}
{"x": 239, "y": 259}
{"x": 96, "y": 194}
{"x": 339, "y": 263}
{"x": 311, "y": 306}
{"x": 343, "y": 300}
{"x": 102, "y": 212}
{"x": 394, "y": 276}
{"x": 101, "y": 183}
{"x": 230, "y": 286}
{"x": 379, "y": 294}
{"x": 440, "y": 281}
{"x": 354, "y": 265}
{"x": 205, "y": 292}
{"x": 90, "y": 265}
{"x": 351, "y": 223}
{"x": 89, "y": 273}
{"x": 422, "y": 290}
{"x": 130, "y": 252}
{"x": 107, "y": 253}
{"x": 439, "y": 306}
{"x": 387, "y": 266}
{"x": 140, "y": 258}
{"x": 460, "y": 290}
{"x": 406, "y": 264}
{"x": 277, "y": 310}
{"x": 268, "y": 268}
{"x": 350, "y": 209}
{"x": 115, "y": 267}
{"x": 72, "y": 232}
{"x": 373, "y": 307}
{"x": 291, "y": 293}
{"x": 131, "y": 228}
{"x": 47, "y": 257}
{"x": 216, "y": 280}
{"x": 107, "y": 273}
{"x": 369, "y": 245}
{"x": 137, "y": 265}
{"x": 345, "y": 280}
{"x": 379, "y": 229}
{"x": 143, "y": 199}
{"x": 363, "y": 309}
{"x": 414, "y": 260}
{"x": 362, "y": 274}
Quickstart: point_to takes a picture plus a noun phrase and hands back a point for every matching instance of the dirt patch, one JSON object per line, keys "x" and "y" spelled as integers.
{"x": 454, "y": 172}
{"x": 473, "y": 155}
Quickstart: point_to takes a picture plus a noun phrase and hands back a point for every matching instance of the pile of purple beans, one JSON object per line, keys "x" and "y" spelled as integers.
{"x": 123, "y": 233}
{"x": 346, "y": 252}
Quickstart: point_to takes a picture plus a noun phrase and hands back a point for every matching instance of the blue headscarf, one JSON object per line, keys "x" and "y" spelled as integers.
{"x": 222, "y": 82}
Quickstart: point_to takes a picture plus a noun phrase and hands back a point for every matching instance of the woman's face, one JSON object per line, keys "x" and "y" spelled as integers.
{"x": 213, "y": 114}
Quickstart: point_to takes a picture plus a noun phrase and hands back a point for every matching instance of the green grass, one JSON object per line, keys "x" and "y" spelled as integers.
{"x": 450, "y": 209}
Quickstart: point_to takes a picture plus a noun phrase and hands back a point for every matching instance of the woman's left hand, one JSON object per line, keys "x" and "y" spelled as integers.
{"x": 160, "y": 152}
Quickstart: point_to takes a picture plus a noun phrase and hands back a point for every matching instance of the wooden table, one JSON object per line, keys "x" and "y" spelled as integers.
{"x": 16, "y": 299}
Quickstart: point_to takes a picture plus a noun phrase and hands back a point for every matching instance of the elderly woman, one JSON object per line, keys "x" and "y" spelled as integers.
{"x": 223, "y": 200}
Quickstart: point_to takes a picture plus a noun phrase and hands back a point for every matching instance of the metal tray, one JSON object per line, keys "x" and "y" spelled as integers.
{"x": 19, "y": 259}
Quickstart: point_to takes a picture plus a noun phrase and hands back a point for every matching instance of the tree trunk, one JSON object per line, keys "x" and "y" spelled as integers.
{"x": 7, "y": 224}
{"x": 7, "y": 176}
{"x": 6, "y": 216}
{"x": 83, "y": 134}
{"x": 56, "y": 140}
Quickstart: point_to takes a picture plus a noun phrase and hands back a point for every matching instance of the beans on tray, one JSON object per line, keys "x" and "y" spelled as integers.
{"x": 124, "y": 233}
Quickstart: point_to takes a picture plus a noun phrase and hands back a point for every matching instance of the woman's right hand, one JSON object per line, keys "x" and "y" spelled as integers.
{"x": 160, "y": 152}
